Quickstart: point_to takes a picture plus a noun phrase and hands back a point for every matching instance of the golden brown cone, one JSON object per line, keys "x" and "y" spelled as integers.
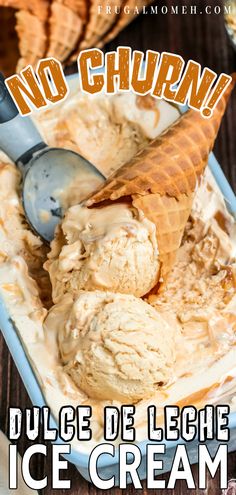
{"x": 80, "y": 7}
{"x": 32, "y": 38}
{"x": 30, "y": 26}
{"x": 65, "y": 30}
{"x": 124, "y": 18}
{"x": 161, "y": 179}
{"x": 36, "y": 7}
{"x": 170, "y": 216}
{"x": 99, "y": 21}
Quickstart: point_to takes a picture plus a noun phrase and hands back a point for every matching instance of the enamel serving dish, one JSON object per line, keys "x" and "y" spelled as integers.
{"x": 107, "y": 465}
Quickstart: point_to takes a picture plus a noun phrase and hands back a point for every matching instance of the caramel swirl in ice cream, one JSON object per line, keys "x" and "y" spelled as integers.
{"x": 101, "y": 347}
{"x": 113, "y": 248}
{"x": 113, "y": 345}
{"x": 147, "y": 102}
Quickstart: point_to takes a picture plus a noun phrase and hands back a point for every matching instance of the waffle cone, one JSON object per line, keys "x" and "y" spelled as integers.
{"x": 65, "y": 30}
{"x": 36, "y": 7}
{"x": 80, "y": 7}
{"x": 32, "y": 38}
{"x": 124, "y": 18}
{"x": 30, "y": 26}
{"x": 161, "y": 179}
{"x": 100, "y": 21}
{"x": 170, "y": 216}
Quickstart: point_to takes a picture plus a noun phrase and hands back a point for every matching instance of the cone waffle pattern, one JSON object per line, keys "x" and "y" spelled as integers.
{"x": 172, "y": 163}
{"x": 125, "y": 18}
{"x": 65, "y": 28}
{"x": 59, "y": 28}
{"x": 30, "y": 25}
{"x": 170, "y": 216}
{"x": 36, "y": 7}
{"x": 32, "y": 38}
{"x": 162, "y": 178}
{"x": 99, "y": 21}
{"x": 80, "y": 7}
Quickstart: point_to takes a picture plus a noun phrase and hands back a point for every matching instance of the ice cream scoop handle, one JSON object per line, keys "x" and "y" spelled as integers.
{"x": 18, "y": 135}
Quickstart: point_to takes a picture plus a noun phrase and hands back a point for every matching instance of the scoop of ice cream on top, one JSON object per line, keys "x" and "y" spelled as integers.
{"x": 114, "y": 346}
{"x": 111, "y": 248}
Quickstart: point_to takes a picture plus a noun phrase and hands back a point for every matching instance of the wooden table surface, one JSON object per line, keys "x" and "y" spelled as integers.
{"x": 202, "y": 38}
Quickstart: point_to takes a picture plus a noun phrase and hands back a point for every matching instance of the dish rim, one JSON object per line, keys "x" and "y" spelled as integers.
{"x": 28, "y": 376}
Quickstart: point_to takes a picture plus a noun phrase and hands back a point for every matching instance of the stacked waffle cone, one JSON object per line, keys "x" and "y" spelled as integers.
{"x": 59, "y": 28}
{"x": 31, "y": 46}
{"x": 65, "y": 29}
{"x": 162, "y": 178}
{"x": 99, "y": 21}
{"x": 30, "y": 26}
{"x": 107, "y": 19}
{"x": 126, "y": 16}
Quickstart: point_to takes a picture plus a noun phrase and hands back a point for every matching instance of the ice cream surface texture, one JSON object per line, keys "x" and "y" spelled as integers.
{"x": 106, "y": 129}
{"x": 113, "y": 345}
{"x": 111, "y": 248}
{"x": 186, "y": 353}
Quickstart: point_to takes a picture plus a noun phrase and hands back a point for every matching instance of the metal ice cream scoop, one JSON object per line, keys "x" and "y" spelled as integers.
{"x": 44, "y": 170}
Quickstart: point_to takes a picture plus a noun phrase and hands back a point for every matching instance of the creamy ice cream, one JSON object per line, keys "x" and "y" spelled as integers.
{"x": 113, "y": 346}
{"x": 108, "y": 130}
{"x": 111, "y": 248}
{"x": 201, "y": 290}
{"x": 16, "y": 238}
{"x": 198, "y": 303}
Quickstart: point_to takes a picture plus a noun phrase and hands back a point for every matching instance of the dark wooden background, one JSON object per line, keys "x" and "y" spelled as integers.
{"x": 202, "y": 38}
